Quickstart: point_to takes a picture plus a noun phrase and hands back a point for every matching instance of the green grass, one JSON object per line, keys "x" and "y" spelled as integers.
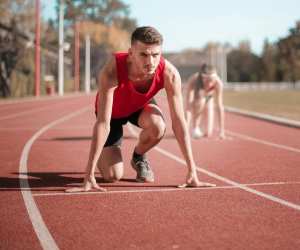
{"x": 281, "y": 103}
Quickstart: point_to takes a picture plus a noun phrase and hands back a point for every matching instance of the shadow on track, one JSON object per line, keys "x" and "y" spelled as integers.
{"x": 85, "y": 138}
{"x": 54, "y": 181}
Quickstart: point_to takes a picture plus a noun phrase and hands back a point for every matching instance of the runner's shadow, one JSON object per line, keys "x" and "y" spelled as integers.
{"x": 88, "y": 138}
{"x": 43, "y": 181}
{"x": 134, "y": 183}
{"x": 40, "y": 180}
{"x": 82, "y": 138}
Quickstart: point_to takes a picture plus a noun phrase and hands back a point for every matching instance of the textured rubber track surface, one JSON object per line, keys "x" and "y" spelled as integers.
{"x": 264, "y": 157}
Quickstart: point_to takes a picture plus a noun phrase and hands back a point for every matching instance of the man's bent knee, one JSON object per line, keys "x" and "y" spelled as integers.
{"x": 110, "y": 164}
{"x": 158, "y": 129}
{"x": 111, "y": 179}
{"x": 112, "y": 176}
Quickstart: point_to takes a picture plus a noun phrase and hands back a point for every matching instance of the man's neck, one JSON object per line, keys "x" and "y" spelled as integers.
{"x": 137, "y": 76}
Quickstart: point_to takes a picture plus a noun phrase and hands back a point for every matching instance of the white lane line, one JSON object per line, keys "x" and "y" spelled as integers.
{"x": 223, "y": 179}
{"x": 230, "y": 182}
{"x": 17, "y": 129}
{"x": 248, "y": 138}
{"x": 54, "y": 129}
{"x": 161, "y": 189}
{"x": 41, "y": 99}
{"x": 43, "y": 234}
{"x": 23, "y": 113}
{"x": 266, "y": 117}
{"x": 32, "y": 110}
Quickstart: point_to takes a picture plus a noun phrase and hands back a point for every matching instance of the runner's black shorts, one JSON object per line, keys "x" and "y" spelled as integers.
{"x": 116, "y": 127}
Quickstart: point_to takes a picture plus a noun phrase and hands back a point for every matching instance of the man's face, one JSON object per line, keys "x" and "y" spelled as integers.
{"x": 145, "y": 57}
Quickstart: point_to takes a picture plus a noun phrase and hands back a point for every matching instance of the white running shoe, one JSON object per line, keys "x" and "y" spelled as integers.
{"x": 197, "y": 133}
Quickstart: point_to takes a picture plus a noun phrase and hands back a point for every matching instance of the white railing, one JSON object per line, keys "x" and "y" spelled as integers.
{"x": 243, "y": 86}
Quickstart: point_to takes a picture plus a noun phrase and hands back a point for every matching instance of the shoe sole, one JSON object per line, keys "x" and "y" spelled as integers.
{"x": 144, "y": 180}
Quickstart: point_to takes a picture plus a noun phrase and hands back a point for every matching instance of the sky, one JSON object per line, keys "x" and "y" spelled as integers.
{"x": 194, "y": 23}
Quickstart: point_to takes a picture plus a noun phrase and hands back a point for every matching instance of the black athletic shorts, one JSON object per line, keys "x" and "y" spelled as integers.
{"x": 116, "y": 127}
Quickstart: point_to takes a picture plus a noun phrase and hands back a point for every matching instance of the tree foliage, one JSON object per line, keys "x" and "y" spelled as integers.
{"x": 16, "y": 19}
{"x": 270, "y": 62}
{"x": 289, "y": 55}
{"x": 279, "y": 61}
{"x": 106, "y": 12}
{"x": 243, "y": 65}
{"x": 107, "y": 22}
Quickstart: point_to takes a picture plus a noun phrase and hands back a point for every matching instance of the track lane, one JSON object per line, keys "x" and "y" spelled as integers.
{"x": 120, "y": 208}
{"x": 185, "y": 208}
{"x": 11, "y": 145}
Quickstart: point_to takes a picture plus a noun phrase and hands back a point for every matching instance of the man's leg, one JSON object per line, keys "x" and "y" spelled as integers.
{"x": 153, "y": 128}
{"x": 110, "y": 164}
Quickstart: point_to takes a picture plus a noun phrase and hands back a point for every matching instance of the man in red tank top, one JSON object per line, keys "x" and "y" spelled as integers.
{"x": 127, "y": 84}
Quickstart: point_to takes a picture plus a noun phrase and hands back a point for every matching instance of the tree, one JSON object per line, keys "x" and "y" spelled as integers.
{"x": 107, "y": 12}
{"x": 17, "y": 34}
{"x": 270, "y": 62}
{"x": 107, "y": 22}
{"x": 243, "y": 66}
{"x": 289, "y": 55}
{"x": 16, "y": 17}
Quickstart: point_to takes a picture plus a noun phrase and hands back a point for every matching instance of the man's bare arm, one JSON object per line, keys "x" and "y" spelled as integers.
{"x": 179, "y": 126}
{"x": 107, "y": 83}
{"x": 174, "y": 95}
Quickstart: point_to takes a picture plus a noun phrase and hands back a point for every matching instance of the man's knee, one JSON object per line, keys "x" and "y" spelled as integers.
{"x": 110, "y": 164}
{"x": 112, "y": 177}
{"x": 158, "y": 129}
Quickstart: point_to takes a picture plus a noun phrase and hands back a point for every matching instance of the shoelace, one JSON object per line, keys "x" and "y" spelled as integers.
{"x": 143, "y": 164}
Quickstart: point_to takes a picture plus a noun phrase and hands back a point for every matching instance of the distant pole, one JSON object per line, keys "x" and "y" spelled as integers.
{"x": 61, "y": 50}
{"x": 225, "y": 52}
{"x": 87, "y": 64}
{"x": 37, "y": 48}
{"x": 210, "y": 56}
{"x": 220, "y": 55}
{"x": 76, "y": 59}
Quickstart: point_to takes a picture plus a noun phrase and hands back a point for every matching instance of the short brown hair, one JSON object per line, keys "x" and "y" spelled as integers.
{"x": 146, "y": 34}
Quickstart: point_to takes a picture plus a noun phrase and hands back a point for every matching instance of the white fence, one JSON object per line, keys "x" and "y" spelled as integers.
{"x": 244, "y": 86}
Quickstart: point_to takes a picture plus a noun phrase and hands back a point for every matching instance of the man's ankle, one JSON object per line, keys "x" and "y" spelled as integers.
{"x": 137, "y": 156}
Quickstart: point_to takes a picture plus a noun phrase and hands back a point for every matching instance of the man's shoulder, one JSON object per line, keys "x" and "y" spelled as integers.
{"x": 109, "y": 72}
{"x": 110, "y": 65}
{"x": 171, "y": 75}
{"x": 170, "y": 69}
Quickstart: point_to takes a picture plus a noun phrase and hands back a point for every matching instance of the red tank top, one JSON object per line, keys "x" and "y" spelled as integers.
{"x": 127, "y": 100}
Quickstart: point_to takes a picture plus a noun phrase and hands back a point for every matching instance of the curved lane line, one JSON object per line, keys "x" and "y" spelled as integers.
{"x": 37, "y": 109}
{"x": 162, "y": 189}
{"x": 275, "y": 145}
{"x": 23, "y": 113}
{"x": 40, "y": 228}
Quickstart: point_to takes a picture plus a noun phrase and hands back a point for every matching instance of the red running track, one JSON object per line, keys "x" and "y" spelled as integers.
{"x": 44, "y": 148}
